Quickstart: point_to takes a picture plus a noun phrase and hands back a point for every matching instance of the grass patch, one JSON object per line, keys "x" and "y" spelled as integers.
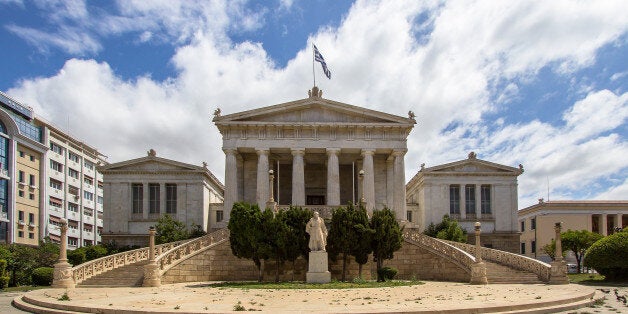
{"x": 23, "y": 288}
{"x": 303, "y": 285}
{"x": 594, "y": 280}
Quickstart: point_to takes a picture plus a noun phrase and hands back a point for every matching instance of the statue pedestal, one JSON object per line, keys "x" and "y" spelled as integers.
{"x": 62, "y": 275}
{"x": 478, "y": 274}
{"x": 318, "y": 268}
{"x": 558, "y": 273}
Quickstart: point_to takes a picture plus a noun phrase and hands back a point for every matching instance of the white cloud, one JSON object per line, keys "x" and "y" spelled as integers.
{"x": 445, "y": 77}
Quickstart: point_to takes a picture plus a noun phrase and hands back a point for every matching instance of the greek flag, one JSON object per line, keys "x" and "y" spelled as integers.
{"x": 319, "y": 57}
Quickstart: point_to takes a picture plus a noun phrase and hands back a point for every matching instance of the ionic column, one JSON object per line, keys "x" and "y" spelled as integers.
{"x": 478, "y": 201}
{"x": 400, "y": 183}
{"x": 298, "y": 177}
{"x": 390, "y": 181}
{"x": 145, "y": 202}
{"x": 162, "y": 198}
{"x": 619, "y": 221}
{"x": 231, "y": 181}
{"x": 604, "y": 225}
{"x": 369, "y": 179}
{"x": 463, "y": 202}
{"x": 262, "y": 177}
{"x": 333, "y": 177}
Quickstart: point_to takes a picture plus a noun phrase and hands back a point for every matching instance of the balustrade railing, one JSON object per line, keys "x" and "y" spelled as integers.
{"x": 516, "y": 261}
{"x": 172, "y": 257}
{"x": 442, "y": 248}
{"x": 92, "y": 268}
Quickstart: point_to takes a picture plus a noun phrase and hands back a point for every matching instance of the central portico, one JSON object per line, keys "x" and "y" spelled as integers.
{"x": 316, "y": 149}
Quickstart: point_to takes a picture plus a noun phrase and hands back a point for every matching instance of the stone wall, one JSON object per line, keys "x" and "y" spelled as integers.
{"x": 504, "y": 241}
{"x": 218, "y": 263}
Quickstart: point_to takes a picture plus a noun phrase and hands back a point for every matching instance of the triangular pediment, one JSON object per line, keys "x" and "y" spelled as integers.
{"x": 471, "y": 166}
{"x": 313, "y": 110}
{"x": 149, "y": 164}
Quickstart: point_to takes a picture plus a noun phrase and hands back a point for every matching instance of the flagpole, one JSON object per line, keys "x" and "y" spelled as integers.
{"x": 313, "y": 72}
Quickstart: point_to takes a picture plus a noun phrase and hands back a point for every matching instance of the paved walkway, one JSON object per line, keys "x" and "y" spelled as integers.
{"x": 431, "y": 296}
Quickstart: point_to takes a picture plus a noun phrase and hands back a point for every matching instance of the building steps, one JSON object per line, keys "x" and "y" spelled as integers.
{"x": 496, "y": 274}
{"x": 126, "y": 276}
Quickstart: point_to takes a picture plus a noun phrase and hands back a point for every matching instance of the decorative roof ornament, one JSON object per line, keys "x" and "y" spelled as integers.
{"x": 521, "y": 168}
{"x": 472, "y": 155}
{"x": 411, "y": 115}
{"x": 152, "y": 153}
{"x": 217, "y": 113}
{"x": 541, "y": 200}
{"x": 422, "y": 167}
{"x": 204, "y": 164}
{"x": 315, "y": 92}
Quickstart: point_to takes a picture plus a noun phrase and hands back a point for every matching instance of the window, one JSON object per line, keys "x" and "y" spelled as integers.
{"x": 89, "y": 165}
{"x": 31, "y": 180}
{"x": 20, "y": 176}
{"x": 100, "y": 185}
{"x": 73, "y": 207}
{"x": 532, "y": 223}
{"x": 454, "y": 199}
{"x": 523, "y": 248}
{"x": 87, "y": 242}
{"x": 100, "y": 200}
{"x": 55, "y": 202}
{"x": 533, "y": 247}
{"x": 56, "y": 148}
{"x": 73, "y": 224}
{"x": 88, "y": 180}
{"x": 31, "y": 235}
{"x": 55, "y": 184}
{"x": 88, "y": 228}
{"x": 485, "y": 199}
{"x": 32, "y": 157}
{"x": 21, "y": 154}
{"x": 88, "y": 195}
{"x": 73, "y": 173}
{"x": 31, "y": 196}
{"x": 99, "y": 230}
{"x": 138, "y": 198}
{"x": 20, "y": 215}
{"x": 523, "y": 226}
{"x": 31, "y": 218}
{"x": 409, "y": 215}
{"x": 153, "y": 198}
{"x": 88, "y": 212}
{"x": 171, "y": 198}
{"x": 20, "y": 193}
{"x": 73, "y": 190}
{"x": 219, "y": 215}
{"x": 469, "y": 198}
{"x": 20, "y": 234}
{"x": 72, "y": 241}
{"x": 56, "y": 166}
{"x": 74, "y": 157}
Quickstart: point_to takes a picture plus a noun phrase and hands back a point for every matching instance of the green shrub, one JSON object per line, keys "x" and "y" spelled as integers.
{"x": 608, "y": 256}
{"x": 94, "y": 251}
{"x": 388, "y": 273}
{"x": 4, "y": 277}
{"x": 42, "y": 276}
{"x": 77, "y": 256}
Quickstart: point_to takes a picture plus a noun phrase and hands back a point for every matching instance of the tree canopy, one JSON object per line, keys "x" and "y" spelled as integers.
{"x": 386, "y": 239}
{"x": 578, "y": 242}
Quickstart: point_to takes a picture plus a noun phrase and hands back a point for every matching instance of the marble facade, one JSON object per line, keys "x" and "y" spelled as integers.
{"x": 194, "y": 195}
{"x": 316, "y": 149}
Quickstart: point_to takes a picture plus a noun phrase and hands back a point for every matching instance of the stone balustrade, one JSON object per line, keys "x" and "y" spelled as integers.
{"x": 444, "y": 249}
{"x": 541, "y": 269}
{"x": 92, "y": 268}
{"x": 175, "y": 255}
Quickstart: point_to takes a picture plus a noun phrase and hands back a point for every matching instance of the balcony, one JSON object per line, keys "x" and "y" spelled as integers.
{"x": 54, "y": 230}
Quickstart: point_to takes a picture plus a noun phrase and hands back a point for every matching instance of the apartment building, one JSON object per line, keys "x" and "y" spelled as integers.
{"x": 46, "y": 175}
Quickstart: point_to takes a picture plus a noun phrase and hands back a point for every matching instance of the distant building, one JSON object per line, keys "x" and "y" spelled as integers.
{"x": 536, "y": 222}
{"x": 139, "y": 191}
{"x": 46, "y": 175}
{"x": 468, "y": 190}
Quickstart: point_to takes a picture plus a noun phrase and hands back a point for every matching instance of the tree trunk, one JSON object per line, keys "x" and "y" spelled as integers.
{"x": 293, "y": 268}
{"x": 277, "y": 270}
{"x": 360, "y": 271}
{"x": 578, "y": 260}
{"x": 380, "y": 265}
{"x": 344, "y": 266}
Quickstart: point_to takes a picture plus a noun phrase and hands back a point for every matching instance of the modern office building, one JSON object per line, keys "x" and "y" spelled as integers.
{"x": 536, "y": 222}
{"x": 46, "y": 175}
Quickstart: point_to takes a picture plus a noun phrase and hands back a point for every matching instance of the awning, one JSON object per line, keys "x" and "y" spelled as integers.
{"x": 54, "y": 219}
{"x": 55, "y": 200}
{"x": 55, "y": 238}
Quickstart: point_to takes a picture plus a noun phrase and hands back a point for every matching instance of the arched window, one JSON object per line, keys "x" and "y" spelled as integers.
{"x": 3, "y": 128}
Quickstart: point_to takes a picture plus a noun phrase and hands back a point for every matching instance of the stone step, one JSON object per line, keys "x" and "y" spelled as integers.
{"x": 496, "y": 273}
{"x": 125, "y": 276}
{"x": 23, "y": 305}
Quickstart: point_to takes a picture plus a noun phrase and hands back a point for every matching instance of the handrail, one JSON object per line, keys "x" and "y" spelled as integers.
{"x": 441, "y": 248}
{"x": 175, "y": 255}
{"x": 516, "y": 261}
{"x": 101, "y": 265}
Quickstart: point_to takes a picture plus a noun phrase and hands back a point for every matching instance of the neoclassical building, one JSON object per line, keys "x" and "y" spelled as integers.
{"x": 468, "y": 190}
{"x": 139, "y": 191}
{"x": 317, "y": 153}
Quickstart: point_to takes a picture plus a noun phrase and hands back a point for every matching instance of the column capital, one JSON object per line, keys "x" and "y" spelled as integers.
{"x": 297, "y": 151}
{"x": 399, "y": 152}
{"x": 368, "y": 151}
{"x": 262, "y": 151}
{"x": 333, "y": 151}
{"x": 230, "y": 151}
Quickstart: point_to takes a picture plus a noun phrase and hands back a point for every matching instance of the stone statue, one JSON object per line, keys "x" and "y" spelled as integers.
{"x": 217, "y": 113}
{"x": 318, "y": 233}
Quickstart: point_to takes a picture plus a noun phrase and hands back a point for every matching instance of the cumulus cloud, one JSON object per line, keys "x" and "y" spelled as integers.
{"x": 441, "y": 60}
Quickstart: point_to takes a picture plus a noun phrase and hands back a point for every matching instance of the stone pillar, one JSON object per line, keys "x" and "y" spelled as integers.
{"x": 463, "y": 201}
{"x": 558, "y": 272}
{"x": 478, "y": 269}
{"x": 271, "y": 195}
{"x": 162, "y": 198}
{"x": 478, "y": 201}
{"x": 369, "y": 179}
{"x": 262, "y": 177}
{"x": 152, "y": 277}
{"x": 361, "y": 200}
{"x": 333, "y": 177}
{"x": 400, "y": 184}
{"x": 63, "y": 276}
{"x": 619, "y": 221}
{"x": 146, "y": 202}
{"x": 231, "y": 181}
{"x": 604, "y": 225}
{"x": 298, "y": 177}
{"x": 390, "y": 181}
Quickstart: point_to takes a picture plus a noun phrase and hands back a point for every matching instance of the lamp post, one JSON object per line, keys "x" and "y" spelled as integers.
{"x": 361, "y": 178}
{"x": 271, "y": 195}
{"x": 478, "y": 269}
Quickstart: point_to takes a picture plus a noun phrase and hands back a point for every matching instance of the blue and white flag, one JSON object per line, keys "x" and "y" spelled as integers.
{"x": 319, "y": 57}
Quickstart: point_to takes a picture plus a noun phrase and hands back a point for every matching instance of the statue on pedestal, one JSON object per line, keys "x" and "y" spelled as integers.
{"x": 318, "y": 233}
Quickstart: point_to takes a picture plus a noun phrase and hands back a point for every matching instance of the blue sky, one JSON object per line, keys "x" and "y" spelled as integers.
{"x": 538, "y": 83}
